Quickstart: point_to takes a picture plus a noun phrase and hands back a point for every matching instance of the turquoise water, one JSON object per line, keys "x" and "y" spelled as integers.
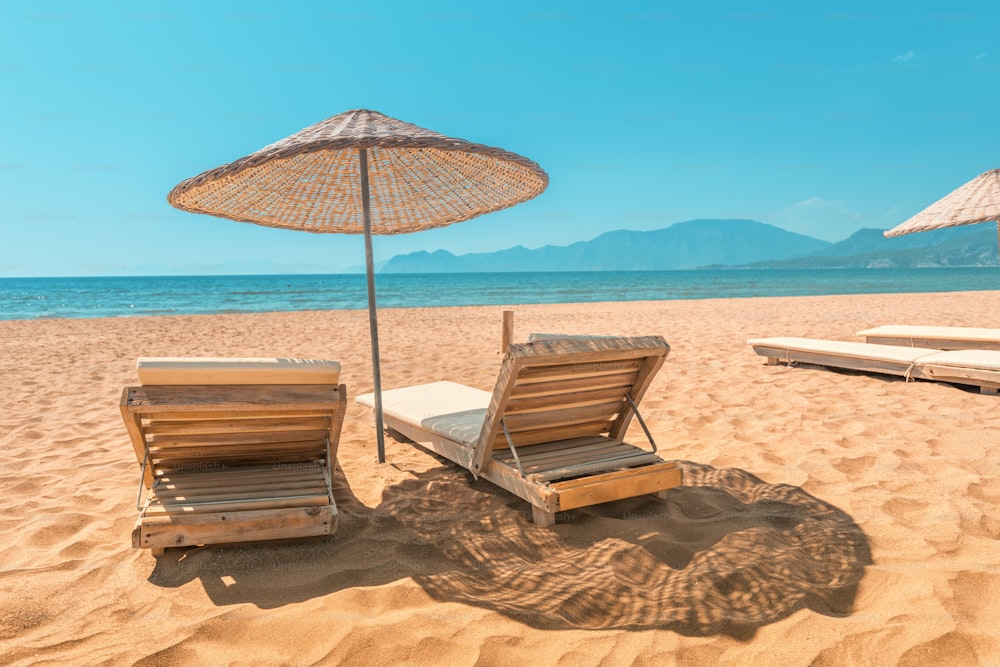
{"x": 31, "y": 298}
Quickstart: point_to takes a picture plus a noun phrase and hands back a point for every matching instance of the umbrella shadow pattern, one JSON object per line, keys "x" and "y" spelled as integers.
{"x": 724, "y": 554}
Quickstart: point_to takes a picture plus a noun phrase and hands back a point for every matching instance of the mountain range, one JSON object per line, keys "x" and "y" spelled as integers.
{"x": 714, "y": 244}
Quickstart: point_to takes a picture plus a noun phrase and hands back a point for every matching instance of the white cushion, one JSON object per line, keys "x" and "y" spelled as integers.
{"x": 448, "y": 409}
{"x": 215, "y": 370}
{"x": 846, "y": 348}
{"x": 931, "y": 333}
{"x": 981, "y": 359}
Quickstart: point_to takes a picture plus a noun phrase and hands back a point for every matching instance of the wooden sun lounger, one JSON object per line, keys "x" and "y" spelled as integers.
{"x": 233, "y": 450}
{"x": 979, "y": 368}
{"x": 941, "y": 338}
{"x": 552, "y": 430}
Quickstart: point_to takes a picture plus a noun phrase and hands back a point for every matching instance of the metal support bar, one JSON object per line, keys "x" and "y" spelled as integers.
{"x": 142, "y": 478}
{"x": 513, "y": 449}
{"x": 328, "y": 471}
{"x": 642, "y": 422}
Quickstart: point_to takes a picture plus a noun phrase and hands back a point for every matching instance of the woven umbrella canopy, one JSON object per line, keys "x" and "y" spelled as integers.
{"x": 361, "y": 172}
{"x": 976, "y": 201}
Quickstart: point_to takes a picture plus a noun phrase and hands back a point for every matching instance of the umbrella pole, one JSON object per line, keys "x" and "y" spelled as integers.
{"x": 372, "y": 313}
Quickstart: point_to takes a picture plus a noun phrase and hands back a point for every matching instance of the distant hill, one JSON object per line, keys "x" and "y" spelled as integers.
{"x": 969, "y": 245}
{"x": 685, "y": 245}
{"x": 709, "y": 244}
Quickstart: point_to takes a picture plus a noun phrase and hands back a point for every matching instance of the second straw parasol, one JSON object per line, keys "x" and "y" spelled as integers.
{"x": 976, "y": 201}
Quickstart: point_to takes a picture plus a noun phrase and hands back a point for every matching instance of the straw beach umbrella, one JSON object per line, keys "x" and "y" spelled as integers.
{"x": 976, "y": 201}
{"x": 361, "y": 172}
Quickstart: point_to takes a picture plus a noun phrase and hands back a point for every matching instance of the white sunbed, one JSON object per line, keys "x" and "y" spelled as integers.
{"x": 941, "y": 338}
{"x": 979, "y": 368}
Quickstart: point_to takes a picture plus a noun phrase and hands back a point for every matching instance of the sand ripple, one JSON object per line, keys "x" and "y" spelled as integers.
{"x": 828, "y": 518}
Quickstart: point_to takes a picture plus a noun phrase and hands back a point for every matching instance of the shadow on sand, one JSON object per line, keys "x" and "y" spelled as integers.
{"x": 724, "y": 554}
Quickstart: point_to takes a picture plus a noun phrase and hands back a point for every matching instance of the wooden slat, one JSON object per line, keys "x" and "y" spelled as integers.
{"x": 233, "y": 399}
{"x": 229, "y": 480}
{"x": 604, "y": 488}
{"x": 604, "y": 454}
{"x": 558, "y": 418}
{"x": 631, "y": 460}
{"x": 566, "y": 485}
{"x": 560, "y": 445}
{"x": 525, "y": 438}
{"x": 572, "y": 399}
{"x": 239, "y": 489}
{"x": 532, "y": 456}
{"x": 222, "y": 473}
{"x": 166, "y": 497}
{"x": 565, "y": 370}
{"x": 304, "y": 450}
{"x": 161, "y": 427}
{"x": 220, "y": 412}
{"x": 214, "y": 459}
{"x": 568, "y": 456}
{"x": 524, "y": 389}
{"x": 193, "y": 485}
{"x": 238, "y": 436}
{"x": 248, "y": 504}
{"x": 174, "y": 531}
{"x": 293, "y": 497}
{"x": 213, "y": 463}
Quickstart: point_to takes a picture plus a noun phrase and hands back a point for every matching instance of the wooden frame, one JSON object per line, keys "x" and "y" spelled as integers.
{"x": 553, "y": 431}
{"x": 910, "y": 363}
{"x": 232, "y": 463}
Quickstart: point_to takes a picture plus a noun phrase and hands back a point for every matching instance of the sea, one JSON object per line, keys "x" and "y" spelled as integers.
{"x": 34, "y": 298}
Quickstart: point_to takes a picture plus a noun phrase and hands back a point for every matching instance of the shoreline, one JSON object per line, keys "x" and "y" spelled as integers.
{"x": 429, "y": 566}
{"x": 98, "y": 297}
{"x": 577, "y": 305}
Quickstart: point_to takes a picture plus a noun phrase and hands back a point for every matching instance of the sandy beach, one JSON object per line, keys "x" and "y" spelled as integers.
{"x": 828, "y": 518}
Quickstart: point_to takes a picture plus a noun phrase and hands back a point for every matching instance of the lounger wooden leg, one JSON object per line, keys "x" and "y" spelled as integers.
{"x": 772, "y": 361}
{"x": 992, "y": 391}
{"x": 542, "y": 517}
{"x": 662, "y": 494}
{"x": 157, "y": 551}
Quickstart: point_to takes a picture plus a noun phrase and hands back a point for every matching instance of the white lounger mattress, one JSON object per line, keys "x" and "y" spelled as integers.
{"x": 977, "y": 367}
{"x": 448, "y": 409}
{"x": 930, "y": 333}
{"x": 845, "y": 348}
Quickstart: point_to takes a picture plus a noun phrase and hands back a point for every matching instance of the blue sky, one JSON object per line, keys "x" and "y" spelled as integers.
{"x": 821, "y": 118}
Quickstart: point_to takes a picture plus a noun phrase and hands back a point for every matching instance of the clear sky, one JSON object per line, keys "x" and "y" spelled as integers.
{"x": 821, "y": 118}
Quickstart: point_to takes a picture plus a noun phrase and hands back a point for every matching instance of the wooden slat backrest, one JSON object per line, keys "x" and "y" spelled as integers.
{"x": 567, "y": 388}
{"x": 213, "y": 427}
